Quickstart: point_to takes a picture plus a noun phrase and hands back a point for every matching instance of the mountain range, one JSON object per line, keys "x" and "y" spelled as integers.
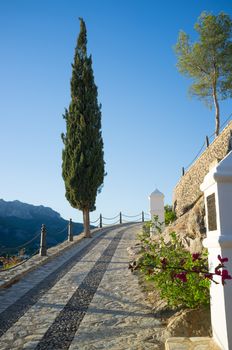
{"x": 21, "y": 222}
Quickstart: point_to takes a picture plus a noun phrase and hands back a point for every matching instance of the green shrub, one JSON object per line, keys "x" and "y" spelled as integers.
{"x": 181, "y": 277}
{"x": 146, "y": 230}
{"x": 148, "y": 225}
{"x": 169, "y": 214}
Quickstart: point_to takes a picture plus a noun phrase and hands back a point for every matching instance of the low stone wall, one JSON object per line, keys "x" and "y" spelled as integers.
{"x": 14, "y": 274}
{"x": 187, "y": 191}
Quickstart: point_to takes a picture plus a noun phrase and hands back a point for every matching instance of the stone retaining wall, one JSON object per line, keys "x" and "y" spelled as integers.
{"x": 187, "y": 191}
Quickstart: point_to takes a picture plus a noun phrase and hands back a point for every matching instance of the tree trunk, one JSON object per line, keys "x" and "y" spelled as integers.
{"x": 217, "y": 111}
{"x": 86, "y": 223}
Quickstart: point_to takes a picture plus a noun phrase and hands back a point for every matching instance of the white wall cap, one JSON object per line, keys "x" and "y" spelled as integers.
{"x": 224, "y": 241}
{"x": 222, "y": 172}
{"x": 156, "y": 193}
{"x": 224, "y": 169}
{"x": 208, "y": 180}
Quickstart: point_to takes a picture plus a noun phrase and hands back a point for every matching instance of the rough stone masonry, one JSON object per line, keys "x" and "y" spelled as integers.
{"x": 187, "y": 191}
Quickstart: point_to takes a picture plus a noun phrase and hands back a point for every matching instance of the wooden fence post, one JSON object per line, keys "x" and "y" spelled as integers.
{"x": 43, "y": 247}
{"x": 70, "y": 231}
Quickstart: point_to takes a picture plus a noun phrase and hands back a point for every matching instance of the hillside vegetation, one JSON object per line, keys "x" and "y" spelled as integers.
{"x": 20, "y": 222}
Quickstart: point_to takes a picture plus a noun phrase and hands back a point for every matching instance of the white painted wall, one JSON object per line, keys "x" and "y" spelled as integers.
{"x": 157, "y": 204}
{"x": 156, "y": 199}
{"x": 219, "y": 242}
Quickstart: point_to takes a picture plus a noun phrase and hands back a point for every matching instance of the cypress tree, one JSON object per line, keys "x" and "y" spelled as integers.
{"x": 83, "y": 156}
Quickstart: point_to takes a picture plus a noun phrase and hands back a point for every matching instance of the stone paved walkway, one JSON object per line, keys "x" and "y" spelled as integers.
{"x": 85, "y": 299}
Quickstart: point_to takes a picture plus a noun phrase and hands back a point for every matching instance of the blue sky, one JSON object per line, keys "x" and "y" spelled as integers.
{"x": 151, "y": 128}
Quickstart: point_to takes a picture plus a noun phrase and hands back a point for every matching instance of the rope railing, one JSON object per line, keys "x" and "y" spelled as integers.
{"x": 42, "y": 251}
{"x": 22, "y": 245}
{"x": 22, "y": 262}
{"x": 205, "y": 144}
{"x": 102, "y": 220}
{"x": 94, "y": 222}
{"x": 113, "y": 218}
{"x": 222, "y": 126}
{"x": 58, "y": 233}
{"x": 38, "y": 234}
{"x": 20, "y": 250}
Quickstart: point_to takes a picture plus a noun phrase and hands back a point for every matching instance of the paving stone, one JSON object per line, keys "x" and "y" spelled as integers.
{"x": 117, "y": 298}
{"x": 44, "y": 311}
{"x": 86, "y": 298}
{"x": 8, "y": 277}
{"x": 30, "y": 345}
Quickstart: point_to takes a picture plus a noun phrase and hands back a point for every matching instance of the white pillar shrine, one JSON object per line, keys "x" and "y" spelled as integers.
{"x": 157, "y": 205}
{"x": 217, "y": 188}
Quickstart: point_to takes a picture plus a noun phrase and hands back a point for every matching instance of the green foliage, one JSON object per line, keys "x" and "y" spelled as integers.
{"x": 179, "y": 276}
{"x": 146, "y": 230}
{"x": 153, "y": 224}
{"x": 8, "y": 262}
{"x": 83, "y": 163}
{"x": 208, "y": 61}
{"x": 169, "y": 214}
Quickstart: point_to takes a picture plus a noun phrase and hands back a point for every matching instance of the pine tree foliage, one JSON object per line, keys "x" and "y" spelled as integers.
{"x": 83, "y": 156}
{"x": 208, "y": 61}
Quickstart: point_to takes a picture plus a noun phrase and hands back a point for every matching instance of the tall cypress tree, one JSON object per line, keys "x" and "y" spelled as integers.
{"x": 83, "y": 156}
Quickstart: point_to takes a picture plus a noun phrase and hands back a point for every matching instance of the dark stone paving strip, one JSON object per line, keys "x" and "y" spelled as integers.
{"x": 11, "y": 315}
{"x": 61, "y": 333}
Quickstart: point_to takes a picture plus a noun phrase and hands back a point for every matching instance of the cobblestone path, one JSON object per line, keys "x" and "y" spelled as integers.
{"x": 85, "y": 299}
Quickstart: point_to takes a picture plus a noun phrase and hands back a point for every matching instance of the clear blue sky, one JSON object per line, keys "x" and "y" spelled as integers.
{"x": 151, "y": 128}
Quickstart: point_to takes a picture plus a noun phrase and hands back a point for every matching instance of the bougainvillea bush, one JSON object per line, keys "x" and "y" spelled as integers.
{"x": 182, "y": 278}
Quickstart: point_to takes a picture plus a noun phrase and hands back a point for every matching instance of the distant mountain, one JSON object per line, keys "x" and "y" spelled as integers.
{"x": 21, "y": 222}
{"x": 25, "y": 211}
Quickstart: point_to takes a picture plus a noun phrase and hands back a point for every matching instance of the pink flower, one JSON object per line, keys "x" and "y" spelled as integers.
{"x": 209, "y": 276}
{"x": 217, "y": 272}
{"x": 195, "y": 256}
{"x": 222, "y": 260}
{"x": 225, "y": 276}
{"x": 182, "y": 276}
